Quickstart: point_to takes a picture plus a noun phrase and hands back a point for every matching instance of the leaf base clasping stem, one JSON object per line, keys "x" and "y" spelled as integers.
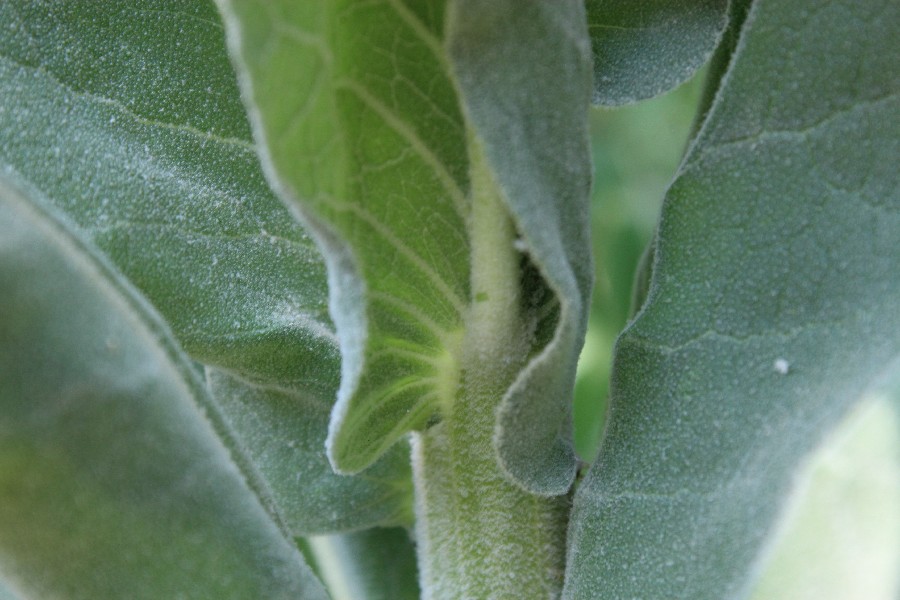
{"x": 479, "y": 535}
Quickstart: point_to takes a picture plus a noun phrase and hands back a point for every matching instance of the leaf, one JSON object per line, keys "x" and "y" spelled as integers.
{"x": 113, "y": 481}
{"x": 771, "y": 309}
{"x": 356, "y": 106}
{"x": 283, "y": 431}
{"x": 360, "y": 122}
{"x": 128, "y": 118}
{"x": 647, "y": 47}
{"x": 375, "y": 564}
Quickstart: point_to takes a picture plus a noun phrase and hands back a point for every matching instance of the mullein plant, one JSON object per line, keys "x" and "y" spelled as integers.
{"x": 292, "y": 296}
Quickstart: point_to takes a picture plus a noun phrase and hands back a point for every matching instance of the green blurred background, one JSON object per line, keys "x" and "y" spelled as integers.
{"x": 636, "y": 151}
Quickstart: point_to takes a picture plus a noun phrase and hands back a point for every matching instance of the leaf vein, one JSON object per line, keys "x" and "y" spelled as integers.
{"x": 406, "y": 252}
{"x": 456, "y": 194}
{"x": 125, "y": 111}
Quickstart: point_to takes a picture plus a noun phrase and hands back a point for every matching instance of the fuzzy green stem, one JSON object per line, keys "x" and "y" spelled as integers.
{"x": 479, "y": 535}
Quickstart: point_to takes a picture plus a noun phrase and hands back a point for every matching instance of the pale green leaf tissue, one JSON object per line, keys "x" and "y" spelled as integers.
{"x": 369, "y": 116}
{"x": 839, "y": 536}
{"x": 360, "y": 129}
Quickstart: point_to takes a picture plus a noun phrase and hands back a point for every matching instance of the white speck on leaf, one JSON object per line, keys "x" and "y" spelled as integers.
{"x": 781, "y": 366}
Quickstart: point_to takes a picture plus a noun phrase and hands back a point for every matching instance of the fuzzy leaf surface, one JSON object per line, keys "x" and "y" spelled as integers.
{"x": 114, "y": 483}
{"x": 127, "y": 117}
{"x": 771, "y": 310}
{"x": 643, "y": 48}
{"x": 356, "y": 107}
{"x": 283, "y": 431}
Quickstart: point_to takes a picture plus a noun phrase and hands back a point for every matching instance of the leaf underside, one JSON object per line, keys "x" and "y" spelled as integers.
{"x": 284, "y": 433}
{"x": 643, "y": 48}
{"x": 360, "y": 123}
{"x": 356, "y": 106}
{"x": 771, "y": 311}
{"x": 113, "y": 483}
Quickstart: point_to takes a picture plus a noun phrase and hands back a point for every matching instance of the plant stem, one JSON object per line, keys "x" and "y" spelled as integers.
{"x": 479, "y": 535}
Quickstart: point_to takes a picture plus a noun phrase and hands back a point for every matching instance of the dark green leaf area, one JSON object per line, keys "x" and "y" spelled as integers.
{"x": 771, "y": 310}
{"x": 99, "y": 49}
{"x": 113, "y": 483}
{"x": 646, "y": 47}
{"x": 283, "y": 432}
{"x": 812, "y": 77}
{"x": 127, "y": 117}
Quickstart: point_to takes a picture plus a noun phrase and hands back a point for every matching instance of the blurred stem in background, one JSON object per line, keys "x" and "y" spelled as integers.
{"x": 636, "y": 151}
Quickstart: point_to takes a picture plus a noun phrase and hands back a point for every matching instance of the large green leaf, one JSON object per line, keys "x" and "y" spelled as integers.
{"x": 771, "y": 311}
{"x": 359, "y": 120}
{"x": 643, "y": 48}
{"x": 113, "y": 481}
{"x": 127, "y": 117}
{"x": 357, "y": 107}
